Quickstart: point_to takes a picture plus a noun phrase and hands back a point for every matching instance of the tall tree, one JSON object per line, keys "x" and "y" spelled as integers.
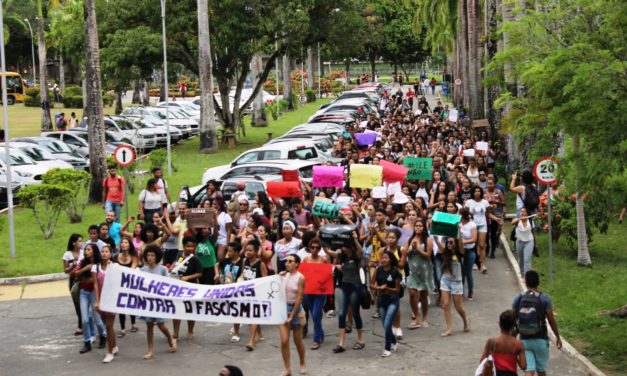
{"x": 46, "y": 120}
{"x": 208, "y": 139}
{"x": 94, "y": 109}
{"x": 258, "y": 115}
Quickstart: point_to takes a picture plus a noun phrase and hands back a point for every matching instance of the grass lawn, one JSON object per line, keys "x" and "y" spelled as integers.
{"x": 38, "y": 256}
{"x": 579, "y": 294}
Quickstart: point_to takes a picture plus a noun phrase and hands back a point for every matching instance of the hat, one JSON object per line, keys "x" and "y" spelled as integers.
{"x": 258, "y": 211}
{"x": 400, "y": 198}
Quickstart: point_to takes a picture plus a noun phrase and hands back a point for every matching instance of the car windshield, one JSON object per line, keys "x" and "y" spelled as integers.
{"x": 159, "y": 114}
{"x": 82, "y": 135}
{"x": 125, "y": 125}
{"x": 38, "y": 154}
{"x": 56, "y": 147}
{"x": 17, "y": 158}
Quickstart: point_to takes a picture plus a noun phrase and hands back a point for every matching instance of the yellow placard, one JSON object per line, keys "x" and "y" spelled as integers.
{"x": 365, "y": 176}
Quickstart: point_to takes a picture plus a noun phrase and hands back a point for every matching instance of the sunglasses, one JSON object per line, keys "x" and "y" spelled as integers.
{"x": 315, "y": 247}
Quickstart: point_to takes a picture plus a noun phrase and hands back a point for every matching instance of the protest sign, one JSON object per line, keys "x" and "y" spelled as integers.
{"x": 365, "y": 139}
{"x": 394, "y": 188}
{"x": 452, "y": 115}
{"x": 365, "y": 176}
{"x": 468, "y": 152}
{"x": 393, "y": 172}
{"x": 482, "y": 146}
{"x": 325, "y": 209}
{"x": 289, "y": 175}
{"x": 134, "y": 292}
{"x": 328, "y": 176}
{"x": 337, "y": 236}
{"x": 378, "y": 192}
{"x": 319, "y": 278}
{"x": 419, "y": 168}
{"x": 445, "y": 224}
{"x": 199, "y": 218}
{"x": 283, "y": 188}
{"x": 343, "y": 201}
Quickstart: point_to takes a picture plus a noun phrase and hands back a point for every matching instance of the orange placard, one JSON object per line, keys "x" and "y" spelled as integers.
{"x": 283, "y": 188}
{"x": 318, "y": 278}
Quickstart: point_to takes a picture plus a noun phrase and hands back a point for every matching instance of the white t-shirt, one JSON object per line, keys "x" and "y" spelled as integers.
{"x": 161, "y": 186}
{"x": 284, "y": 250}
{"x": 478, "y": 210}
{"x": 69, "y": 257}
{"x": 466, "y": 230}
{"x": 223, "y": 219}
{"x": 152, "y": 200}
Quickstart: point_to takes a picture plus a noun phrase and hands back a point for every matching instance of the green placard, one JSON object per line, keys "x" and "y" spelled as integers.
{"x": 326, "y": 209}
{"x": 419, "y": 168}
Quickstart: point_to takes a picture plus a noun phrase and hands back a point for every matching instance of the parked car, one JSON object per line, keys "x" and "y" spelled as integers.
{"x": 346, "y": 119}
{"x": 59, "y": 149}
{"x": 130, "y": 133}
{"x": 371, "y": 96}
{"x": 263, "y": 168}
{"x": 323, "y": 142}
{"x": 361, "y": 105}
{"x": 308, "y": 129}
{"x": 174, "y": 119}
{"x": 294, "y": 150}
{"x": 189, "y": 108}
{"x": 149, "y": 121}
{"x": 4, "y": 187}
{"x": 39, "y": 155}
{"x": 25, "y": 169}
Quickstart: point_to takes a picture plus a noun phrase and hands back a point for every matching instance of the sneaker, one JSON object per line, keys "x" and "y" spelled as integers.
{"x": 92, "y": 339}
{"x": 386, "y": 353}
{"x": 394, "y": 347}
{"x": 331, "y": 313}
{"x": 471, "y": 296}
{"x": 376, "y": 316}
{"x": 102, "y": 343}
{"x": 232, "y": 331}
{"x": 108, "y": 358}
{"x": 399, "y": 333}
{"x": 115, "y": 351}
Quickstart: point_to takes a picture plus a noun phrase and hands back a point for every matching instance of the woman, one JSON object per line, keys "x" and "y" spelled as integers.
{"x": 287, "y": 246}
{"x": 225, "y": 226}
{"x": 479, "y": 208}
{"x": 350, "y": 292}
{"x": 252, "y": 268}
{"x": 136, "y": 235}
{"x": 451, "y": 284}
{"x": 392, "y": 238}
{"x": 151, "y": 200}
{"x": 127, "y": 258}
{"x": 206, "y": 251}
{"x": 98, "y": 274}
{"x": 212, "y": 192}
{"x": 473, "y": 171}
{"x": 71, "y": 259}
{"x": 294, "y": 290}
{"x": 394, "y": 218}
{"x": 408, "y": 225}
{"x": 240, "y": 218}
{"x": 505, "y": 348}
{"x": 419, "y": 250}
{"x": 316, "y": 302}
{"x": 524, "y": 241}
{"x": 265, "y": 250}
{"x": 91, "y": 320}
{"x": 468, "y": 232}
{"x": 497, "y": 212}
{"x": 388, "y": 283}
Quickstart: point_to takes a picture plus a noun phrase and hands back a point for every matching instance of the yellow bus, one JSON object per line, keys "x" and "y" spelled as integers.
{"x": 16, "y": 89}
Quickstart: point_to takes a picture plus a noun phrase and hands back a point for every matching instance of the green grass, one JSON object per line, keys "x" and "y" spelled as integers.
{"x": 580, "y": 293}
{"x": 38, "y": 256}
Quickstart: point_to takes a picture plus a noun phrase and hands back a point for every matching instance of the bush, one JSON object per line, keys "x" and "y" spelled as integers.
{"x": 73, "y": 91}
{"x": 74, "y": 101}
{"x": 285, "y": 105}
{"x": 295, "y": 101}
{"x": 46, "y": 201}
{"x": 31, "y": 101}
{"x": 107, "y": 100}
{"x": 159, "y": 158}
{"x": 78, "y": 183}
{"x": 311, "y": 96}
{"x": 32, "y": 91}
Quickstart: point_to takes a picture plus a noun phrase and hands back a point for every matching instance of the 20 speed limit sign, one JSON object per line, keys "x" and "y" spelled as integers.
{"x": 545, "y": 171}
{"x": 124, "y": 155}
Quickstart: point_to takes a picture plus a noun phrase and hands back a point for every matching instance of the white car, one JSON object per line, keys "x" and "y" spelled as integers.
{"x": 350, "y": 104}
{"x": 189, "y": 108}
{"x": 131, "y": 133}
{"x": 148, "y": 120}
{"x": 175, "y": 121}
{"x": 293, "y": 150}
{"x": 261, "y": 169}
{"x": 23, "y": 168}
{"x": 40, "y": 155}
{"x": 324, "y": 143}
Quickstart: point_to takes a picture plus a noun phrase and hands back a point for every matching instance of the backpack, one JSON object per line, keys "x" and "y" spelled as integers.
{"x": 531, "y": 316}
{"x": 532, "y": 198}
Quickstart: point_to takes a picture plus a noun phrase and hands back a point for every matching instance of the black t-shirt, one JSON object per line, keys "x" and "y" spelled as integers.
{"x": 189, "y": 267}
{"x": 227, "y": 266}
{"x": 251, "y": 271}
{"x": 110, "y": 242}
{"x": 388, "y": 277}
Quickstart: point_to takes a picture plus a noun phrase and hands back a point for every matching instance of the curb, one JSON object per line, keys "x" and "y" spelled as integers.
{"x": 32, "y": 279}
{"x": 567, "y": 348}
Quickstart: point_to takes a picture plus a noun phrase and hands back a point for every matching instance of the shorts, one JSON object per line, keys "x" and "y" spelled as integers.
{"x": 448, "y": 284}
{"x": 482, "y": 228}
{"x": 153, "y": 320}
{"x": 537, "y": 353}
{"x": 296, "y": 321}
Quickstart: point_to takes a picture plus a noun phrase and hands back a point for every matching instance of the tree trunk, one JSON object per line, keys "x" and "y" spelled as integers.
{"x": 464, "y": 48}
{"x": 259, "y": 115}
{"x": 46, "y": 121}
{"x": 164, "y": 90}
{"x": 457, "y": 71}
{"x": 474, "y": 23}
{"x": 309, "y": 64}
{"x": 347, "y": 71}
{"x": 146, "y": 93}
{"x": 583, "y": 253}
{"x": 118, "y": 102}
{"x": 491, "y": 49}
{"x": 287, "y": 82}
{"x": 136, "y": 92}
{"x": 372, "y": 58}
{"x": 94, "y": 111}
{"x": 61, "y": 74}
{"x": 208, "y": 138}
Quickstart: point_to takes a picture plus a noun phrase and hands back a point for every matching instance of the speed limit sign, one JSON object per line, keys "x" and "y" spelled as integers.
{"x": 545, "y": 171}
{"x": 303, "y": 99}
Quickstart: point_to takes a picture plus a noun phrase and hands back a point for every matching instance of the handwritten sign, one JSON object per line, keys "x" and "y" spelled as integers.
{"x": 365, "y": 139}
{"x": 289, "y": 175}
{"x": 326, "y": 209}
{"x": 283, "y": 188}
{"x": 319, "y": 278}
{"x": 328, "y": 176}
{"x": 419, "y": 168}
{"x": 393, "y": 172}
{"x": 468, "y": 152}
{"x": 365, "y": 176}
{"x": 199, "y": 218}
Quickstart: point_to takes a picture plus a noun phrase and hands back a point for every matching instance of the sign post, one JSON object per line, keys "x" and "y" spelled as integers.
{"x": 545, "y": 172}
{"x": 124, "y": 156}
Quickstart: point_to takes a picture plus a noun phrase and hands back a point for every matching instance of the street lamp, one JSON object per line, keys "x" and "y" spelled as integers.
{"x": 32, "y": 51}
{"x": 165, "y": 78}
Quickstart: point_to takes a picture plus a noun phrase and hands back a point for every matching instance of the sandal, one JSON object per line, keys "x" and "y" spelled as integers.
{"x": 134, "y": 329}
{"x": 121, "y": 334}
{"x": 414, "y": 325}
{"x": 173, "y": 347}
{"x": 359, "y": 346}
{"x": 315, "y": 346}
{"x": 249, "y": 348}
{"x": 78, "y": 332}
{"x": 235, "y": 339}
{"x": 339, "y": 349}
{"x": 349, "y": 328}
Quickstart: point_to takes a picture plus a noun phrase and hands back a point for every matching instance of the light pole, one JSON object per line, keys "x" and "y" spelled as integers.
{"x": 165, "y": 78}
{"x": 32, "y": 49}
{"x": 319, "y": 73}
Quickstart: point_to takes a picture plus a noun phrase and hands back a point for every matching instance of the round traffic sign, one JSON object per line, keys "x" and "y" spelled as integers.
{"x": 124, "y": 155}
{"x": 303, "y": 99}
{"x": 458, "y": 81}
{"x": 545, "y": 170}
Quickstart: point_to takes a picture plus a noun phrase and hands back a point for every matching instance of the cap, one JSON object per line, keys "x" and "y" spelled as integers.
{"x": 258, "y": 211}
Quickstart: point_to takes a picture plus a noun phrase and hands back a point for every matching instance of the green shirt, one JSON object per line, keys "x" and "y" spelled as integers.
{"x": 206, "y": 253}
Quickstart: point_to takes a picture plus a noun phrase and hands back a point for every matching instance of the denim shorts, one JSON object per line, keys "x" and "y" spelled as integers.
{"x": 482, "y": 228}
{"x": 537, "y": 354}
{"x": 454, "y": 287}
{"x": 296, "y": 320}
{"x": 153, "y": 320}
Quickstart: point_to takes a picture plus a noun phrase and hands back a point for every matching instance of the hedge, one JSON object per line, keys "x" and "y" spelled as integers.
{"x": 74, "y": 101}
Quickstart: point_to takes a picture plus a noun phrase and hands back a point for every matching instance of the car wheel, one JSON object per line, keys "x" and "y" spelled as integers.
{"x": 11, "y": 100}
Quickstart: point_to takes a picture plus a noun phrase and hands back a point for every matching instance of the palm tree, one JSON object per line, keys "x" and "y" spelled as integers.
{"x": 208, "y": 139}
{"x": 583, "y": 253}
{"x": 46, "y": 120}
{"x": 258, "y": 115}
{"x": 94, "y": 108}
{"x": 287, "y": 81}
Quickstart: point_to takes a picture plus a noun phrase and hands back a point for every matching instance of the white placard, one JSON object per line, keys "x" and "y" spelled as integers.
{"x": 452, "y": 115}
{"x": 469, "y": 152}
{"x": 378, "y": 192}
{"x": 481, "y": 146}
{"x": 343, "y": 201}
{"x": 393, "y": 188}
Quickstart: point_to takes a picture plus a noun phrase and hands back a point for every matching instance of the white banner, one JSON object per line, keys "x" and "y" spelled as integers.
{"x": 134, "y": 292}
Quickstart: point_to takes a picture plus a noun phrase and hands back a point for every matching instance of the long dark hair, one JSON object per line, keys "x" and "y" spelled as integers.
{"x": 264, "y": 201}
{"x": 447, "y": 255}
{"x": 73, "y": 238}
{"x": 423, "y": 236}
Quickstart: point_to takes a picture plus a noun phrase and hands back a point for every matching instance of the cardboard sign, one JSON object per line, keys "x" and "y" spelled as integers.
{"x": 337, "y": 236}
{"x": 419, "y": 168}
{"x": 328, "y": 176}
{"x": 283, "y": 188}
{"x": 326, "y": 209}
{"x": 319, "y": 278}
{"x": 445, "y": 224}
{"x": 365, "y": 176}
{"x": 452, "y": 115}
{"x": 365, "y": 139}
{"x": 199, "y": 218}
{"x": 289, "y": 175}
{"x": 482, "y": 146}
{"x": 393, "y": 172}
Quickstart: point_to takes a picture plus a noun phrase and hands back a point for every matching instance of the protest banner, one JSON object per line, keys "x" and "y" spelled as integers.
{"x": 419, "y": 168}
{"x": 319, "y": 278}
{"x": 365, "y": 176}
{"x": 445, "y": 224}
{"x": 328, "y": 176}
{"x": 134, "y": 292}
{"x": 365, "y": 139}
{"x": 325, "y": 209}
{"x": 289, "y": 175}
{"x": 199, "y": 218}
{"x": 393, "y": 172}
{"x": 337, "y": 236}
{"x": 283, "y": 188}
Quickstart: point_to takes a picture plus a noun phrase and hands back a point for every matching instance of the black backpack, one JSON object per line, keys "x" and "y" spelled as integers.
{"x": 532, "y": 199}
{"x": 531, "y": 316}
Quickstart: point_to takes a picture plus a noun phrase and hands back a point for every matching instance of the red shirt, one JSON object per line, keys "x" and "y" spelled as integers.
{"x": 115, "y": 188}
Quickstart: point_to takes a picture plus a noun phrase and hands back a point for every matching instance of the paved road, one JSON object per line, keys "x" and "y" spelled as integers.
{"x": 37, "y": 340}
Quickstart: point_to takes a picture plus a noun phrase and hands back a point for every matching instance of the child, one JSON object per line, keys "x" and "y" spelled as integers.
{"x": 187, "y": 267}
{"x": 152, "y": 259}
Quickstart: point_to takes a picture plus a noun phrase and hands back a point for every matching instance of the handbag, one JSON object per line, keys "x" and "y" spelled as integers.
{"x": 366, "y": 299}
{"x": 486, "y": 367}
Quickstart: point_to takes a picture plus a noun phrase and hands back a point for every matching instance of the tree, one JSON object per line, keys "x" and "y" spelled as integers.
{"x": 94, "y": 111}
{"x": 46, "y": 120}
{"x": 208, "y": 139}
{"x": 47, "y": 202}
{"x": 77, "y": 182}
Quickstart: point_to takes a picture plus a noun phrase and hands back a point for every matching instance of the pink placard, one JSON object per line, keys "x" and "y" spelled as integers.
{"x": 393, "y": 172}
{"x": 328, "y": 176}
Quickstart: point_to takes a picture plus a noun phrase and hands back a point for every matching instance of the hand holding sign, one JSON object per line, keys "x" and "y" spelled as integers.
{"x": 365, "y": 176}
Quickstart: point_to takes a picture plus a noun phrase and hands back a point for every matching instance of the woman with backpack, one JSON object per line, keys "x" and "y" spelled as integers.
{"x": 524, "y": 241}
{"x": 526, "y": 192}
{"x": 505, "y": 349}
